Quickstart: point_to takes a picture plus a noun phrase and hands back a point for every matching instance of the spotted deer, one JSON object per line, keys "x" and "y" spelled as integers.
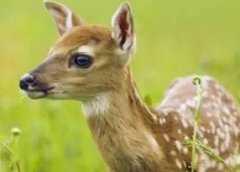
{"x": 90, "y": 63}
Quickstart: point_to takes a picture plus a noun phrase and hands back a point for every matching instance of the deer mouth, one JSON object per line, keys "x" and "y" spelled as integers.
{"x": 39, "y": 93}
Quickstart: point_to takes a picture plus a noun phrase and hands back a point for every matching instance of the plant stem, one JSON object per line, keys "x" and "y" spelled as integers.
{"x": 197, "y": 116}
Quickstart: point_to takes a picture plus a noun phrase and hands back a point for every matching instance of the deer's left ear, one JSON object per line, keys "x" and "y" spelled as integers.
{"x": 64, "y": 18}
{"x": 123, "y": 28}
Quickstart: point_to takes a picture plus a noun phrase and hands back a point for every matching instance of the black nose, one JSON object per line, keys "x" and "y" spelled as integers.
{"x": 26, "y": 81}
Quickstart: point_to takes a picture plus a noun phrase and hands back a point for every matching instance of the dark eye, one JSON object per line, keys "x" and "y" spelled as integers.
{"x": 82, "y": 60}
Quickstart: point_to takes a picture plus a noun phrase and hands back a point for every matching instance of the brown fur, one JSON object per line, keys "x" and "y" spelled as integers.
{"x": 83, "y": 34}
{"x": 131, "y": 136}
{"x": 121, "y": 133}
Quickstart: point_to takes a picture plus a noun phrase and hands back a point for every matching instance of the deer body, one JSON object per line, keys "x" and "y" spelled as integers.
{"x": 139, "y": 136}
{"x": 90, "y": 64}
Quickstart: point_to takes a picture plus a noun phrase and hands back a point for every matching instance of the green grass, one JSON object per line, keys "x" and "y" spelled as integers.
{"x": 175, "y": 38}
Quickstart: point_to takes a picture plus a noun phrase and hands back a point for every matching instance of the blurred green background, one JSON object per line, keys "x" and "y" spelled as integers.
{"x": 175, "y": 38}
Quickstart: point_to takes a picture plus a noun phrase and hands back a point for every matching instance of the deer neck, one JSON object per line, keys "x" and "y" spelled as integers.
{"x": 121, "y": 125}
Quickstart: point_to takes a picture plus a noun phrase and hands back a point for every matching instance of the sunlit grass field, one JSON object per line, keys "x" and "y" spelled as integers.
{"x": 175, "y": 38}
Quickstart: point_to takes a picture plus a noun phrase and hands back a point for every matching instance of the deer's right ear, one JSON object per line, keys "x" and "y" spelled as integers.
{"x": 64, "y": 18}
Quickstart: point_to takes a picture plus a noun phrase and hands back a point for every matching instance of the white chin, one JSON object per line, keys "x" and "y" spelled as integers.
{"x": 36, "y": 94}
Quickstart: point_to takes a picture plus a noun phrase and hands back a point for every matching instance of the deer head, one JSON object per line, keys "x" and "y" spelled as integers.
{"x": 87, "y": 60}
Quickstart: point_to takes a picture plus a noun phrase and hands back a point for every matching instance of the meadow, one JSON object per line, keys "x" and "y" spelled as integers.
{"x": 174, "y": 39}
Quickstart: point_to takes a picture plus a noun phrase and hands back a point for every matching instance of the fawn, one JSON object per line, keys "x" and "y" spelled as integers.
{"x": 89, "y": 63}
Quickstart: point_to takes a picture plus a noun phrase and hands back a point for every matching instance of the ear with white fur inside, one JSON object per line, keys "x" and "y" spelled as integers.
{"x": 123, "y": 28}
{"x": 64, "y": 18}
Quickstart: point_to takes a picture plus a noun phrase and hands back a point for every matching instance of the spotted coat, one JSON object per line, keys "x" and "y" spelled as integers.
{"x": 219, "y": 126}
